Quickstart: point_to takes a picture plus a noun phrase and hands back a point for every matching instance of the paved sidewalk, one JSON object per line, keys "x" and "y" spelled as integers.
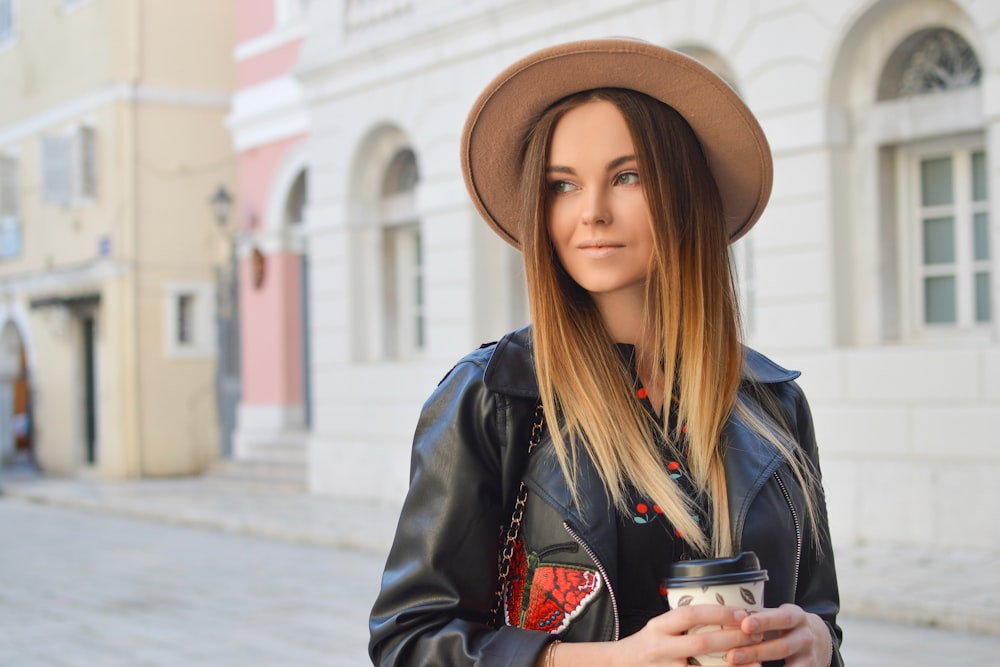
{"x": 946, "y": 589}
{"x": 91, "y": 589}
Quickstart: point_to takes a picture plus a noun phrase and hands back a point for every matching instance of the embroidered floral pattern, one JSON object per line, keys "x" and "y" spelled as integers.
{"x": 546, "y": 596}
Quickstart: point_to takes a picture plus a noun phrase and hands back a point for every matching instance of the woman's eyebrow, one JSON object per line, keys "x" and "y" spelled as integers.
{"x": 614, "y": 164}
{"x": 617, "y": 162}
{"x": 559, "y": 168}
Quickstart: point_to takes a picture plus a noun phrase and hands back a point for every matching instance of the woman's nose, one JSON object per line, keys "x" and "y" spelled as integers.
{"x": 596, "y": 210}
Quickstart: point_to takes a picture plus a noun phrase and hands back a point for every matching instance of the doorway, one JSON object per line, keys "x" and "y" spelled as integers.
{"x": 89, "y": 326}
{"x": 16, "y": 441}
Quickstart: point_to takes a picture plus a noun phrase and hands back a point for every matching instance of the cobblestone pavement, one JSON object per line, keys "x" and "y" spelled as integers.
{"x": 85, "y": 589}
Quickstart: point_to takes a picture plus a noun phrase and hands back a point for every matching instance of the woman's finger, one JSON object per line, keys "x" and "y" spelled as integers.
{"x": 681, "y": 620}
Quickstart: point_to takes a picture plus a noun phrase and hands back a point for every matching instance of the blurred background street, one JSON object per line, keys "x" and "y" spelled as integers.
{"x": 190, "y": 572}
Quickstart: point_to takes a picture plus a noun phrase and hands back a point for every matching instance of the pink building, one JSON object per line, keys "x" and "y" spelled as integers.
{"x": 269, "y": 126}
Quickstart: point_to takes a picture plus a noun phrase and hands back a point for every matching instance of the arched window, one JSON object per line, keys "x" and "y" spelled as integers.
{"x": 385, "y": 250}
{"x": 295, "y": 204}
{"x": 942, "y": 196}
{"x": 928, "y": 61}
{"x": 402, "y": 258}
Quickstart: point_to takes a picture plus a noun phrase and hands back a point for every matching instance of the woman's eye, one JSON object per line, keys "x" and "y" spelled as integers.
{"x": 627, "y": 178}
{"x": 560, "y": 187}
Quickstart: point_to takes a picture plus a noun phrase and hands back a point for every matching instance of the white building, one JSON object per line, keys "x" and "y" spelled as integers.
{"x": 875, "y": 269}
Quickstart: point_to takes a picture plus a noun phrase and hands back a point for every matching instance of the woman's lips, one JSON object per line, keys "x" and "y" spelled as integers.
{"x": 599, "y": 249}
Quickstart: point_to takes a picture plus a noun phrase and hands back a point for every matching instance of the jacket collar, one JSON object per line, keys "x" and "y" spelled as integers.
{"x": 511, "y": 369}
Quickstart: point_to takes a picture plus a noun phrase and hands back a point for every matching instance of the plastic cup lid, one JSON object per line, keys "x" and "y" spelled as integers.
{"x": 716, "y": 571}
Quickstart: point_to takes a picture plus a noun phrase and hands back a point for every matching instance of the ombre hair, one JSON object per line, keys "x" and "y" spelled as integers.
{"x": 691, "y": 321}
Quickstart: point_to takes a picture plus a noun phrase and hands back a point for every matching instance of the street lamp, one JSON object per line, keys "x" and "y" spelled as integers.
{"x": 222, "y": 205}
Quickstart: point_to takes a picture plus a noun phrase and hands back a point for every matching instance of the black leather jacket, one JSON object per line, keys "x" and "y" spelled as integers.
{"x": 469, "y": 455}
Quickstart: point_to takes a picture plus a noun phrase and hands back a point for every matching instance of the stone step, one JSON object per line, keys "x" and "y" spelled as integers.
{"x": 260, "y": 474}
{"x": 274, "y": 452}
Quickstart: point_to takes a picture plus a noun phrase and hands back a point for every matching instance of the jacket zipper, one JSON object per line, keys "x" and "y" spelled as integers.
{"x": 600, "y": 569}
{"x": 798, "y": 533}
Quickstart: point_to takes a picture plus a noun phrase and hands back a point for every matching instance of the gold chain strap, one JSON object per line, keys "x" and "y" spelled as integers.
{"x": 510, "y": 536}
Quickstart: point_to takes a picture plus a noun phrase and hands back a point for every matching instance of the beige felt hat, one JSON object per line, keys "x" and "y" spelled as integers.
{"x": 730, "y": 136}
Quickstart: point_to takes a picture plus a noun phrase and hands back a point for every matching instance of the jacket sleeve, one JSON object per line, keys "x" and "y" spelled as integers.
{"x": 440, "y": 579}
{"x": 818, "y": 592}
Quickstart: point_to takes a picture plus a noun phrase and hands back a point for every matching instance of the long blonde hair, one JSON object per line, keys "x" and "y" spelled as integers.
{"x": 691, "y": 322}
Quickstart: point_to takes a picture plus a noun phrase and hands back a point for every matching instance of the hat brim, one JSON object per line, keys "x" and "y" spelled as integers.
{"x": 731, "y": 138}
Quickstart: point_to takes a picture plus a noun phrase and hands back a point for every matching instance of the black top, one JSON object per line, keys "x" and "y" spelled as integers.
{"x": 647, "y": 542}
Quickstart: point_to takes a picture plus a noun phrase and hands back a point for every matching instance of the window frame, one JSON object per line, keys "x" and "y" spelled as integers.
{"x": 911, "y": 216}
{"x": 79, "y": 175}
{"x": 403, "y": 293}
{"x": 197, "y": 338}
{"x": 404, "y": 290}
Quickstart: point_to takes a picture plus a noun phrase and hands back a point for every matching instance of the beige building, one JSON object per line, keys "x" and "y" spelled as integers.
{"x": 111, "y": 145}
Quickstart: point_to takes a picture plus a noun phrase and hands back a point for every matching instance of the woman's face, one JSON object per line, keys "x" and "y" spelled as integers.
{"x": 598, "y": 219}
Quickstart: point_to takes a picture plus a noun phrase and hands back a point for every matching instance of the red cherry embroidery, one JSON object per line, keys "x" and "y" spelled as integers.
{"x": 673, "y": 465}
{"x": 642, "y": 513}
{"x": 642, "y": 392}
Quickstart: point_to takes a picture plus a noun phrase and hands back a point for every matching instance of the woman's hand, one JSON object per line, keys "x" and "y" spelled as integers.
{"x": 800, "y": 638}
{"x": 664, "y": 640}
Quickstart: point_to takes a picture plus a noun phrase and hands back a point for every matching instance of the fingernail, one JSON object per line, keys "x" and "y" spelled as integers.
{"x": 757, "y": 637}
{"x": 739, "y": 615}
{"x": 753, "y": 625}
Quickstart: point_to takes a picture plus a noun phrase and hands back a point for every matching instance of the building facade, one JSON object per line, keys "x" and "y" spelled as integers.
{"x": 269, "y": 127}
{"x": 874, "y": 270}
{"x": 111, "y": 144}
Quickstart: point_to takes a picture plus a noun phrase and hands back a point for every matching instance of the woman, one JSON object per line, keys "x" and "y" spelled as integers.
{"x": 622, "y": 170}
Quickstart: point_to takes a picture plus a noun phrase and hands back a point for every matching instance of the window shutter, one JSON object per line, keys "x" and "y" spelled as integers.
{"x": 57, "y": 152}
{"x": 9, "y": 204}
{"x": 86, "y": 176}
{"x": 10, "y": 225}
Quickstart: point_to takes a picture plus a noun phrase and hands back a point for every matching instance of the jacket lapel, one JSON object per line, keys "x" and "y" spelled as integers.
{"x": 749, "y": 462}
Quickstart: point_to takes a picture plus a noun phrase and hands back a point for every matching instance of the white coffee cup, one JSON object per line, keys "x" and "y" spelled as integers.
{"x": 735, "y": 582}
